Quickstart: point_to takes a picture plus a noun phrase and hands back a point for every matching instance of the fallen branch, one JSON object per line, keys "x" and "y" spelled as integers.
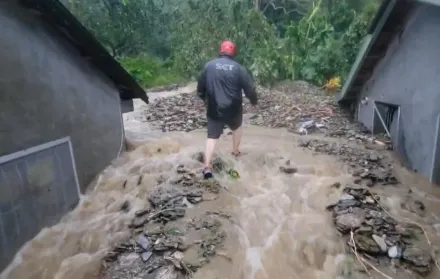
{"x": 362, "y": 260}
{"x": 377, "y": 270}
{"x": 189, "y": 274}
{"x": 354, "y": 249}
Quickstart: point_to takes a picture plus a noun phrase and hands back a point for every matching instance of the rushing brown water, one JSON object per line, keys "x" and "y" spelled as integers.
{"x": 282, "y": 229}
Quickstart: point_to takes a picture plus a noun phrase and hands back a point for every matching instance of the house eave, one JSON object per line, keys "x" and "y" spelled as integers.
{"x": 68, "y": 27}
{"x": 367, "y": 43}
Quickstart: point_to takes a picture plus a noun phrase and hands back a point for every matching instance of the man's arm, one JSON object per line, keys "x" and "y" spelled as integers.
{"x": 201, "y": 85}
{"x": 248, "y": 86}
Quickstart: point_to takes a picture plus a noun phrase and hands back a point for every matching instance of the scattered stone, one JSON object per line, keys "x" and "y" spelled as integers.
{"x": 128, "y": 259}
{"x": 358, "y": 211}
{"x": 143, "y": 242}
{"x": 292, "y": 107}
{"x": 141, "y": 213}
{"x": 395, "y": 252}
{"x": 125, "y": 206}
{"x": 184, "y": 112}
{"x": 368, "y": 168}
{"x": 366, "y": 244}
{"x": 420, "y": 260}
{"x": 161, "y": 234}
{"x": 414, "y": 206}
{"x": 146, "y": 255}
{"x": 346, "y": 197}
{"x": 380, "y": 242}
{"x": 348, "y": 222}
{"x": 373, "y": 158}
{"x": 288, "y": 170}
{"x": 140, "y": 180}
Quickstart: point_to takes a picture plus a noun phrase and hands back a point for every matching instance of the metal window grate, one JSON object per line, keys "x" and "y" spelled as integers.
{"x": 38, "y": 186}
{"x": 383, "y": 117}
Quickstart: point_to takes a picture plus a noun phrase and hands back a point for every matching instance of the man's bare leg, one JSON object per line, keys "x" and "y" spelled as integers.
{"x": 209, "y": 151}
{"x": 236, "y": 140}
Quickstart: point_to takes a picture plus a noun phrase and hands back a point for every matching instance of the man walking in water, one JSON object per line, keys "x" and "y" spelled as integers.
{"x": 220, "y": 86}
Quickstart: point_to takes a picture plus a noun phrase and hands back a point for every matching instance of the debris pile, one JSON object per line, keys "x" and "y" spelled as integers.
{"x": 289, "y": 110}
{"x": 184, "y": 112}
{"x": 164, "y": 88}
{"x": 304, "y": 109}
{"x": 367, "y": 166}
{"x": 376, "y": 235}
{"x": 164, "y": 243}
{"x": 297, "y": 106}
{"x": 358, "y": 133}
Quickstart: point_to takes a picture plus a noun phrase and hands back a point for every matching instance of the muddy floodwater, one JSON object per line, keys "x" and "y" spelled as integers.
{"x": 279, "y": 226}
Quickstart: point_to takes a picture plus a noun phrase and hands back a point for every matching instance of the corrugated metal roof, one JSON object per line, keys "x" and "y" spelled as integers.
{"x": 68, "y": 27}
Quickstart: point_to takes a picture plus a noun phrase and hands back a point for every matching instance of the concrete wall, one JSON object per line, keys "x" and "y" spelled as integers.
{"x": 409, "y": 76}
{"x": 48, "y": 92}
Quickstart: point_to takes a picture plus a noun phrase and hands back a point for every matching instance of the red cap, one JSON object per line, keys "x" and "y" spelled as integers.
{"x": 227, "y": 47}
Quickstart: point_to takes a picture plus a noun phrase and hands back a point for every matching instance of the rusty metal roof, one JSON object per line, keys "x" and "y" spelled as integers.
{"x": 69, "y": 27}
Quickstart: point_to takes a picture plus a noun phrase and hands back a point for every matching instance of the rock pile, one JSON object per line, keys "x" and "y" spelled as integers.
{"x": 164, "y": 243}
{"x": 288, "y": 109}
{"x": 184, "y": 112}
{"x": 368, "y": 166}
{"x": 359, "y": 134}
{"x": 376, "y": 235}
{"x": 293, "y": 108}
{"x": 288, "y": 105}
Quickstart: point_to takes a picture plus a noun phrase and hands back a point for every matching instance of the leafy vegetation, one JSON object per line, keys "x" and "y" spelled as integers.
{"x": 150, "y": 71}
{"x": 168, "y": 41}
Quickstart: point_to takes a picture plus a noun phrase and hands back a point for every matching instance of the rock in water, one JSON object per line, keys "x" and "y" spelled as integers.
{"x": 128, "y": 259}
{"x": 395, "y": 252}
{"x": 380, "y": 242}
{"x": 419, "y": 261}
{"x": 166, "y": 272}
{"x": 366, "y": 244}
{"x": 345, "y": 197}
{"x": 348, "y": 222}
{"x": 288, "y": 170}
{"x": 143, "y": 242}
{"x": 146, "y": 255}
{"x": 125, "y": 206}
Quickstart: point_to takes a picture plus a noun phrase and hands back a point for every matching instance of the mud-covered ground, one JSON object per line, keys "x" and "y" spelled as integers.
{"x": 170, "y": 238}
{"x": 314, "y": 195}
{"x": 288, "y": 105}
{"x": 305, "y": 110}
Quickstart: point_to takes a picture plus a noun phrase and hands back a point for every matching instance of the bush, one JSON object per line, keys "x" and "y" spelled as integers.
{"x": 312, "y": 40}
{"x": 150, "y": 71}
{"x": 321, "y": 45}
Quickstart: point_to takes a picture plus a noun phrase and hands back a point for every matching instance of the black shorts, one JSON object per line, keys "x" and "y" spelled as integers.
{"x": 216, "y": 126}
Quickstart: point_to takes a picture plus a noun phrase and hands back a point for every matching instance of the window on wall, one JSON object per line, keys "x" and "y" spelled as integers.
{"x": 386, "y": 119}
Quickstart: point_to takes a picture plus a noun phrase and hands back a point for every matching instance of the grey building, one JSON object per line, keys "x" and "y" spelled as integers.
{"x": 61, "y": 100}
{"x": 394, "y": 85}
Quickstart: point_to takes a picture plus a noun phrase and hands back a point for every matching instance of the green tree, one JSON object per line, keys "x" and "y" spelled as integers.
{"x": 160, "y": 41}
